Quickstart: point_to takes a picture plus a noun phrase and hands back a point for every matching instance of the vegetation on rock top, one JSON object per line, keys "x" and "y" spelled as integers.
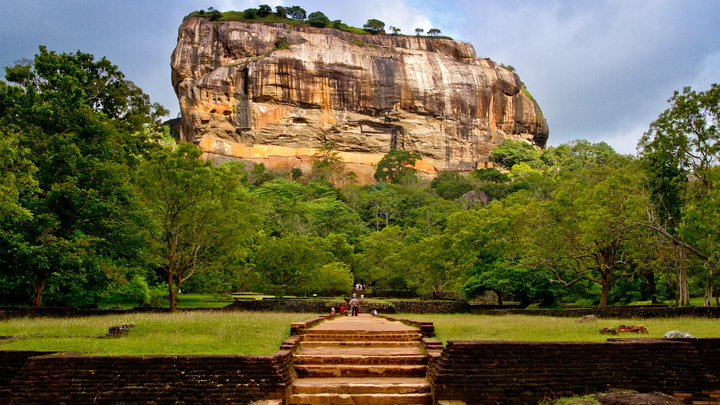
{"x": 297, "y": 15}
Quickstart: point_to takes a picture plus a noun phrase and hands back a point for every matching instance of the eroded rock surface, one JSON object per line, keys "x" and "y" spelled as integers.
{"x": 274, "y": 93}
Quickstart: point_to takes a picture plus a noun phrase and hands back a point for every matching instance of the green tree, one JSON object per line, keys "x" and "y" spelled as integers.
{"x": 583, "y": 231}
{"x": 395, "y": 30}
{"x": 432, "y": 267}
{"x": 374, "y": 26}
{"x": 264, "y": 10}
{"x": 680, "y": 150}
{"x": 334, "y": 278}
{"x": 397, "y": 167}
{"x": 76, "y": 126}
{"x": 290, "y": 264}
{"x": 419, "y": 31}
{"x": 434, "y": 32}
{"x": 318, "y": 19}
{"x": 450, "y": 185}
{"x": 296, "y": 13}
{"x": 281, "y": 11}
{"x": 328, "y": 165}
{"x": 200, "y": 214}
{"x": 575, "y": 155}
{"x": 379, "y": 259}
{"x": 510, "y": 153}
{"x": 250, "y": 13}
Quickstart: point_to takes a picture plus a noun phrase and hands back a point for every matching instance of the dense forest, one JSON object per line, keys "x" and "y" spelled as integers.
{"x": 98, "y": 203}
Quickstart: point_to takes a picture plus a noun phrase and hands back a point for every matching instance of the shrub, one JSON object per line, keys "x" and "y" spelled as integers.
{"x": 250, "y": 13}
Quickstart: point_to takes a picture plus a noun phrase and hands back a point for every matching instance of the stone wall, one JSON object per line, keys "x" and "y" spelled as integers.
{"x": 626, "y": 311}
{"x": 489, "y": 372}
{"x": 399, "y": 306}
{"x": 312, "y": 306}
{"x": 77, "y": 379}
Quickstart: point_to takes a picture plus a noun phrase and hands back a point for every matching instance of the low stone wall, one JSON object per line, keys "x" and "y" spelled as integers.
{"x": 76, "y": 379}
{"x": 404, "y": 306}
{"x": 608, "y": 312}
{"x": 313, "y": 306}
{"x": 490, "y": 372}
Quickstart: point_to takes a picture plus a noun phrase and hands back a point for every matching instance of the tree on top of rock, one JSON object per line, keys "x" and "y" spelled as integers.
{"x": 434, "y": 32}
{"x": 264, "y": 10}
{"x": 318, "y": 19}
{"x": 296, "y": 13}
{"x": 374, "y": 26}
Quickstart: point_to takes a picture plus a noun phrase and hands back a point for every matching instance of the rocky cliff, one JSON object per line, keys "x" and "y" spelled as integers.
{"x": 274, "y": 93}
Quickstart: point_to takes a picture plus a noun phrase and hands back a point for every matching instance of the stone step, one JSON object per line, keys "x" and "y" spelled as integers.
{"x": 360, "y": 351}
{"x": 360, "y": 399}
{"x": 360, "y": 332}
{"x": 413, "y": 359}
{"x": 361, "y": 386}
{"x": 359, "y": 371}
{"x": 383, "y": 343}
{"x": 362, "y": 338}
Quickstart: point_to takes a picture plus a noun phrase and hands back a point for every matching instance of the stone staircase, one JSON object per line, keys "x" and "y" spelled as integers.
{"x": 360, "y": 367}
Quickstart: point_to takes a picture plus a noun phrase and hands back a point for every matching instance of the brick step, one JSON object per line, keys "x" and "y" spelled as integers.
{"x": 360, "y": 351}
{"x": 360, "y": 332}
{"x": 412, "y": 359}
{"x": 359, "y": 371}
{"x": 360, "y": 399}
{"x": 360, "y": 386}
{"x": 361, "y": 337}
{"x": 383, "y": 343}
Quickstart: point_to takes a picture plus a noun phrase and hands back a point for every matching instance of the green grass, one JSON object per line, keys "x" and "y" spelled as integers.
{"x": 203, "y": 332}
{"x": 540, "y": 328}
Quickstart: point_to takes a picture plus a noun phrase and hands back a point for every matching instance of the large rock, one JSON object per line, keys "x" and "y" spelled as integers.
{"x": 274, "y": 93}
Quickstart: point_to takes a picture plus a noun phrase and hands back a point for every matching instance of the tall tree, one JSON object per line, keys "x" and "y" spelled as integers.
{"x": 680, "y": 150}
{"x": 201, "y": 216}
{"x": 581, "y": 233}
{"x": 78, "y": 126}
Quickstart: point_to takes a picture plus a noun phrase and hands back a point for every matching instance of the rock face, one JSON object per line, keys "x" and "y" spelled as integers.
{"x": 274, "y": 93}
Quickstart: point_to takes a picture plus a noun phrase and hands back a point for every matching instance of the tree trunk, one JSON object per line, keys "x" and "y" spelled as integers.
{"x": 172, "y": 290}
{"x": 605, "y": 287}
{"x": 708, "y": 290}
{"x": 652, "y": 288}
{"x": 683, "y": 289}
{"x": 500, "y": 302}
{"x": 38, "y": 288}
{"x": 604, "y": 296}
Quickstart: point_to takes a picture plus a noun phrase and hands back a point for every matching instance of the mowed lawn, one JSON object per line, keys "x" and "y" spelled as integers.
{"x": 541, "y": 328}
{"x": 199, "y": 332}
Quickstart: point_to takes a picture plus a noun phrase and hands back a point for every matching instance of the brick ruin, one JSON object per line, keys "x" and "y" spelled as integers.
{"x": 473, "y": 372}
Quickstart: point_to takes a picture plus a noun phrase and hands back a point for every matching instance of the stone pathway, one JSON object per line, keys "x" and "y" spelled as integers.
{"x": 362, "y": 360}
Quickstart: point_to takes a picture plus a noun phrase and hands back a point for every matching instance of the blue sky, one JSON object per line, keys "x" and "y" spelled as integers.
{"x": 601, "y": 70}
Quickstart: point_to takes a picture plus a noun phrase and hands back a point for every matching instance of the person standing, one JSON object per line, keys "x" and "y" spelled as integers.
{"x": 354, "y": 306}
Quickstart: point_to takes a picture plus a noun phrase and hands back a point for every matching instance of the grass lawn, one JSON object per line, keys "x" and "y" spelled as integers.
{"x": 522, "y": 327}
{"x": 203, "y": 332}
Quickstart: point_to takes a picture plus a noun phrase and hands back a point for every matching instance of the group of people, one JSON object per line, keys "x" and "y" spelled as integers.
{"x": 354, "y": 306}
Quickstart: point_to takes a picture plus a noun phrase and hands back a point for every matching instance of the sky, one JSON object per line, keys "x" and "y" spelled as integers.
{"x": 601, "y": 70}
